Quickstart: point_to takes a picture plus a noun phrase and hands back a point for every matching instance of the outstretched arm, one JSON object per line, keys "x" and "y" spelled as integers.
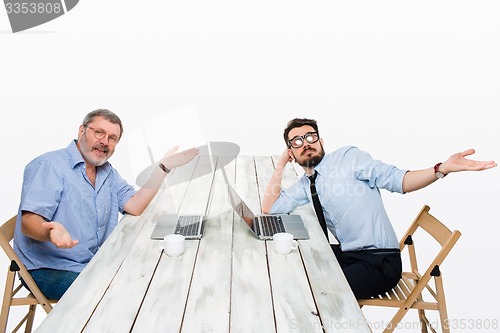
{"x": 415, "y": 180}
{"x": 138, "y": 203}
{"x": 273, "y": 189}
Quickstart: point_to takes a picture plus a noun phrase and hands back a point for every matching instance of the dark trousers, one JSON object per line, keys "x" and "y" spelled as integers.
{"x": 370, "y": 272}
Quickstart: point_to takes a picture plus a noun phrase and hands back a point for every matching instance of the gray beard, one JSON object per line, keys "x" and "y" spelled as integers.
{"x": 86, "y": 153}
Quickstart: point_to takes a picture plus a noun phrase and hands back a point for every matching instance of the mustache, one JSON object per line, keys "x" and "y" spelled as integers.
{"x": 101, "y": 147}
{"x": 305, "y": 151}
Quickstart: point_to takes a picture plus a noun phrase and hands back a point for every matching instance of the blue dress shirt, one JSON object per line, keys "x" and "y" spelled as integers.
{"x": 348, "y": 184}
{"x": 56, "y": 187}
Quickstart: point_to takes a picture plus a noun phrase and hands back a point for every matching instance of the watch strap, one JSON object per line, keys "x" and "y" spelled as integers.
{"x": 438, "y": 173}
{"x": 164, "y": 168}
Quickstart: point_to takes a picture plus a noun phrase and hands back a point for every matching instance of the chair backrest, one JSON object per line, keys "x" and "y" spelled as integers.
{"x": 438, "y": 231}
{"x": 6, "y": 237}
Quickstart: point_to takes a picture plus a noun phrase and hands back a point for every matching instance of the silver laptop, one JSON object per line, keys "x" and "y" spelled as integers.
{"x": 265, "y": 226}
{"x": 190, "y": 226}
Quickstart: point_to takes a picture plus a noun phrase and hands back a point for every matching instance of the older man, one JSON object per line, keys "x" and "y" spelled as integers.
{"x": 71, "y": 199}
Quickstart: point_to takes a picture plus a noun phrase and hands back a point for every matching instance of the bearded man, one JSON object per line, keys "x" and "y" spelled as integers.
{"x": 71, "y": 199}
{"x": 344, "y": 187}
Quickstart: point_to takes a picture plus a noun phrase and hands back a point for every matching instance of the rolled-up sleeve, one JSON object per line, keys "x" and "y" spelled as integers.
{"x": 290, "y": 199}
{"x": 377, "y": 173}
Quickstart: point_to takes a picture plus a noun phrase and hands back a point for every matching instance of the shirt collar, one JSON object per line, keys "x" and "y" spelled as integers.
{"x": 320, "y": 168}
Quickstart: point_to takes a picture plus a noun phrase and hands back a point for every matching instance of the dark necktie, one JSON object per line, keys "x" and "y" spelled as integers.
{"x": 317, "y": 204}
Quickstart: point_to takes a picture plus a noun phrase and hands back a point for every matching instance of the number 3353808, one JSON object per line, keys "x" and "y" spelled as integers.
{"x": 33, "y": 8}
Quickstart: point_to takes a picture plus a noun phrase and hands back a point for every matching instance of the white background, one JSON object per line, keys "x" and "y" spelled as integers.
{"x": 409, "y": 82}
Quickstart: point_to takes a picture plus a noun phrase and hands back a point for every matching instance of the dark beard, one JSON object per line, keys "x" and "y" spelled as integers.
{"x": 313, "y": 161}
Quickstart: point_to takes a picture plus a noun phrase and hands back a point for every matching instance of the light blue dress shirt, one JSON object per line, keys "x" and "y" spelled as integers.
{"x": 348, "y": 184}
{"x": 56, "y": 187}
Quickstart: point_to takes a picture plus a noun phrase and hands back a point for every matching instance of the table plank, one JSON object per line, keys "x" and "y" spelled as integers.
{"x": 336, "y": 304}
{"x": 251, "y": 301}
{"x": 264, "y": 169}
{"x": 165, "y": 301}
{"x": 209, "y": 304}
{"x": 128, "y": 286}
{"x": 170, "y": 286}
{"x": 293, "y": 303}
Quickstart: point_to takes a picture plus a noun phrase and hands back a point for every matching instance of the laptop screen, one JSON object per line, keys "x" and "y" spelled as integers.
{"x": 241, "y": 209}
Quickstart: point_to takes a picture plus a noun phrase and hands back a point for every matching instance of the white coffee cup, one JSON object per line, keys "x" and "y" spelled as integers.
{"x": 173, "y": 245}
{"x": 284, "y": 243}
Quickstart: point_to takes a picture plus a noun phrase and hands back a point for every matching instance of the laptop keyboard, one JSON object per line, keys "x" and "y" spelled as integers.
{"x": 188, "y": 225}
{"x": 271, "y": 225}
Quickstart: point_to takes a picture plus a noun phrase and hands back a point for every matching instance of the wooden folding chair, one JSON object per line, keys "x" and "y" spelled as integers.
{"x": 12, "y": 287}
{"x": 408, "y": 292}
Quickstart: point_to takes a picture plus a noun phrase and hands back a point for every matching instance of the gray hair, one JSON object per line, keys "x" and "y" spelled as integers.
{"x": 106, "y": 114}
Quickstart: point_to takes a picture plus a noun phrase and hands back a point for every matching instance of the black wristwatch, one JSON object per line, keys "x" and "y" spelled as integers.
{"x": 164, "y": 168}
{"x": 438, "y": 173}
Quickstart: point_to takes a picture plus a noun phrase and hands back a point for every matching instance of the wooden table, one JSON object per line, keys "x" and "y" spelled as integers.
{"x": 227, "y": 281}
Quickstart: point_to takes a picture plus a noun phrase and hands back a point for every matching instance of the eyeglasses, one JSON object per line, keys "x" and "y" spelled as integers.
{"x": 298, "y": 141}
{"x": 99, "y": 134}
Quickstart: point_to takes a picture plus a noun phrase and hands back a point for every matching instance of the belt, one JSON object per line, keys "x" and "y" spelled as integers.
{"x": 379, "y": 251}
